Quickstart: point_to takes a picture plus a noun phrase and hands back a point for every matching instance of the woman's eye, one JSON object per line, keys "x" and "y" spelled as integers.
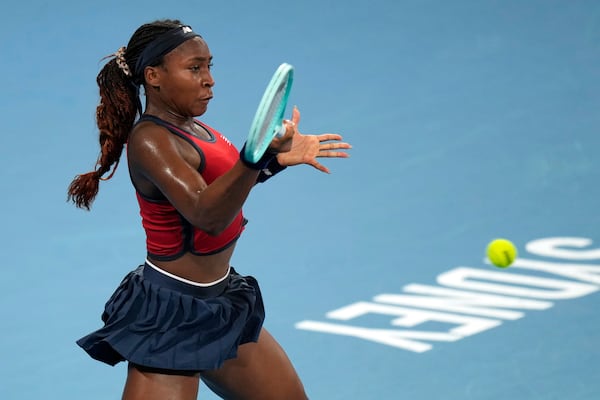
{"x": 196, "y": 68}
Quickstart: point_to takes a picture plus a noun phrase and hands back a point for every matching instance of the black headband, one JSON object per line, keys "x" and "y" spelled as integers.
{"x": 162, "y": 45}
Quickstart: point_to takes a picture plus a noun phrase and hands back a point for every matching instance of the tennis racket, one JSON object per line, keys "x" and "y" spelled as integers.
{"x": 268, "y": 120}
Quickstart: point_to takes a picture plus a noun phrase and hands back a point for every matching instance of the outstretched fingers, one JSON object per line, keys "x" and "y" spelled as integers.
{"x": 324, "y": 137}
{"x": 333, "y": 154}
{"x": 329, "y": 149}
{"x": 319, "y": 166}
{"x": 296, "y": 115}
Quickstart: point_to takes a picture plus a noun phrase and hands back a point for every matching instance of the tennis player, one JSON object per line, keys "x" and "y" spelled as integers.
{"x": 186, "y": 314}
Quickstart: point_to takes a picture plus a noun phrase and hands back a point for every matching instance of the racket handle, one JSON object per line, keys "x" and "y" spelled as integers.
{"x": 280, "y": 131}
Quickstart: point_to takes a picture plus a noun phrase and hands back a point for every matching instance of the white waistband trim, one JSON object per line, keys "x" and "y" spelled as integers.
{"x": 170, "y": 275}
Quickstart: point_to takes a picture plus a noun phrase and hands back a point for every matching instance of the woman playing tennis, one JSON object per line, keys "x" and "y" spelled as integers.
{"x": 186, "y": 314}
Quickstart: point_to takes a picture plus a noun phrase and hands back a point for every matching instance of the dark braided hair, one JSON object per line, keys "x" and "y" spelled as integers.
{"x": 116, "y": 112}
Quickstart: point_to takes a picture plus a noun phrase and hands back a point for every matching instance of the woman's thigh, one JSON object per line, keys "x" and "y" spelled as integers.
{"x": 145, "y": 385}
{"x": 261, "y": 370}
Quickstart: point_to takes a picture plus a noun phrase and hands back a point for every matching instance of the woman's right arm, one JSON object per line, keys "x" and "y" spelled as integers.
{"x": 156, "y": 159}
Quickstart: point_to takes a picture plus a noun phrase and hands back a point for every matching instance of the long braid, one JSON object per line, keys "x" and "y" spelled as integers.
{"x": 117, "y": 110}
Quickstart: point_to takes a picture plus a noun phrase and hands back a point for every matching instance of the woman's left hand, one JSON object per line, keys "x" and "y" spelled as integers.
{"x": 307, "y": 148}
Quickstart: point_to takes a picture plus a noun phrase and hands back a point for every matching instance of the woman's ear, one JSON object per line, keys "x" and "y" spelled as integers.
{"x": 152, "y": 77}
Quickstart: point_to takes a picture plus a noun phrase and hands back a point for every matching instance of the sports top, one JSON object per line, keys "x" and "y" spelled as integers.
{"x": 168, "y": 234}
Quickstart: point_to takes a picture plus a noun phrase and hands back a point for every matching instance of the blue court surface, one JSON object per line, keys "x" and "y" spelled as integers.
{"x": 469, "y": 120}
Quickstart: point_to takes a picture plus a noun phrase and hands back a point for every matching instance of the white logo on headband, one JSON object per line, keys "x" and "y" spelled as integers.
{"x": 186, "y": 29}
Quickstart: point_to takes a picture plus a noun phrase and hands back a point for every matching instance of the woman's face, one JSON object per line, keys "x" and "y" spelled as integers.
{"x": 185, "y": 80}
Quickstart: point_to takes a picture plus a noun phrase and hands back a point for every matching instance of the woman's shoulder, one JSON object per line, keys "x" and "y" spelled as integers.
{"x": 147, "y": 131}
{"x": 147, "y": 139}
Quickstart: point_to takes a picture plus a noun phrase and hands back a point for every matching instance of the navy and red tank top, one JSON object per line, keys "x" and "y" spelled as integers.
{"x": 168, "y": 234}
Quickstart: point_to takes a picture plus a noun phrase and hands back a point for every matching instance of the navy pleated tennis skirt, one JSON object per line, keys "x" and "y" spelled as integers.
{"x": 156, "y": 321}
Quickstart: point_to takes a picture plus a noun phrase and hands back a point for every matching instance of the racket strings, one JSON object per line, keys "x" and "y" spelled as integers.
{"x": 268, "y": 120}
{"x": 275, "y": 112}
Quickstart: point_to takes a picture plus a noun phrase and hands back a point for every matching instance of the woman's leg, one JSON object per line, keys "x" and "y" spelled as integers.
{"x": 145, "y": 385}
{"x": 261, "y": 370}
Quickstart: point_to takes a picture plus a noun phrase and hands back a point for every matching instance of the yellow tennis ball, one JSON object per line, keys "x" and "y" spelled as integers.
{"x": 501, "y": 252}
